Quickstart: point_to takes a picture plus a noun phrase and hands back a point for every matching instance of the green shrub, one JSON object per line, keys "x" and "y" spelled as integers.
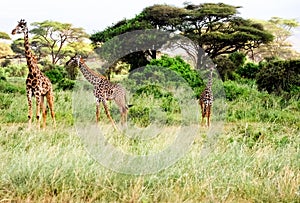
{"x": 56, "y": 74}
{"x": 15, "y": 70}
{"x": 233, "y": 90}
{"x": 249, "y": 70}
{"x": 140, "y": 116}
{"x": 165, "y": 99}
{"x": 66, "y": 84}
{"x": 238, "y": 58}
{"x": 183, "y": 69}
{"x": 151, "y": 89}
{"x": 6, "y": 87}
{"x": 279, "y": 76}
{"x": 6, "y": 62}
{"x": 225, "y": 67}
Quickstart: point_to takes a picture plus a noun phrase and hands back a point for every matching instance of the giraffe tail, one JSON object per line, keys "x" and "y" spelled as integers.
{"x": 128, "y": 106}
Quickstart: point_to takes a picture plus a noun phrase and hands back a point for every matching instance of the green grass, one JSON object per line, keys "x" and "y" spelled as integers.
{"x": 255, "y": 159}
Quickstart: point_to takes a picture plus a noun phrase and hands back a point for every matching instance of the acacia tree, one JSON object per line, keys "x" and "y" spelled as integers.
{"x": 52, "y": 38}
{"x": 4, "y": 35}
{"x": 214, "y": 28}
{"x": 107, "y": 43}
{"x": 280, "y": 47}
{"x": 5, "y": 49}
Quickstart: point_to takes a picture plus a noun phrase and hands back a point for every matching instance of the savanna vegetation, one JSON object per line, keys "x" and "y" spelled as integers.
{"x": 253, "y": 157}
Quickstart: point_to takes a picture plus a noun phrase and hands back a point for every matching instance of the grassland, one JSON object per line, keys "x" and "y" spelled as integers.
{"x": 255, "y": 159}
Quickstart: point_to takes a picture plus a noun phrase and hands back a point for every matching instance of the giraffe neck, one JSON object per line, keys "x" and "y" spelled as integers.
{"x": 32, "y": 66}
{"x": 209, "y": 83}
{"x": 89, "y": 74}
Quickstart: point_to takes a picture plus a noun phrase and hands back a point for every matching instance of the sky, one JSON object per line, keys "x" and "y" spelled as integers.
{"x": 96, "y": 15}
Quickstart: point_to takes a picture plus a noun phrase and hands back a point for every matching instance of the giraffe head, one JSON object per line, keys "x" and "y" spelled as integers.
{"x": 75, "y": 60}
{"x": 211, "y": 66}
{"x": 20, "y": 28}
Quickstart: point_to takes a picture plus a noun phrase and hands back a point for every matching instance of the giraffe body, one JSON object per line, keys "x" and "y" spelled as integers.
{"x": 206, "y": 100}
{"x": 104, "y": 90}
{"x": 37, "y": 84}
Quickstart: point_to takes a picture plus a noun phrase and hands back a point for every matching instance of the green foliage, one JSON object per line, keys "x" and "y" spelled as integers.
{"x": 264, "y": 107}
{"x": 5, "y": 63}
{"x": 226, "y": 68}
{"x": 56, "y": 74}
{"x": 279, "y": 76}
{"x": 121, "y": 27}
{"x": 249, "y": 70}
{"x": 183, "y": 69}
{"x": 14, "y": 70}
{"x": 214, "y": 28}
{"x": 280, "y": 47}
{"x": 66, "y": 84}
{"x": 160, "y": 106}
{"x": 140, "y": 116}
{"x": 5, "y": 50}
{"x": 72, "y": 72}
{"x": 120, "y": 48}
{"x": 53, "y": 36}
{"x": 211, "y": 33}
{"x": 234, "y": 90}
{"x": 18, "y": 46}
{"x": 7, "y": 87}
{"x": 157, "y": 84}
{"x": 4, "y": 35}
{"x": 238, "y": 58}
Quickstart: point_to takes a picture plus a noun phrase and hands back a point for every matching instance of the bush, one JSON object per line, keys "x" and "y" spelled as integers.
{"x": 183, "y": 69}
{"x": 225, "y": 67}
{"x": 140, "y": 115}
{"x": 56, "y": 74}
{"x": 165, "y": 99}
{"x": 237, "y": 58}
{"x": 66, "y": 84}
{"x": 6, "y": 87}
{"x": 15, "y": 70}
{"x": 6, "y": 63}
{"x": 279, "y": 76}
{"x": 234, "y": 90}
{"x": 249, "y": 70}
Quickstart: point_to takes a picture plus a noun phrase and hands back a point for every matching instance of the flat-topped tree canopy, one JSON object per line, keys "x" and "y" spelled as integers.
{"x": 215, "y": 28}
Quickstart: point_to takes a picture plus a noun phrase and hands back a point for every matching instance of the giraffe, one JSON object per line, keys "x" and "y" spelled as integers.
{"x": 104, "y": 90}
{"x": 37, "y": 84}
{"x": 206, "y": 99}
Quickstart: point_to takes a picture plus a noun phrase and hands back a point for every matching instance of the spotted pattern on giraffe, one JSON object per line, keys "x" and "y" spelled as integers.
{"x": 104, "y": 90}
{"x": 37, "y": 84}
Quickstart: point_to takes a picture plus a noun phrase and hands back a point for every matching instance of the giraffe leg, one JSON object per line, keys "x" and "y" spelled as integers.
{"x": 208, "y": 120}
{"x": 202, "y": 112}
{"x": 208, "y": 116}
{"x": 50, "y": 100}
{"x": 29, "y": 99}
{"x": 97, "y": 111}
{"x": 38, "y": 105}
{"x": 44, "y": 113}
{"x": 122, "y": 109}
{"x": 123, "y": 112}
{"x": 108, "y": 115}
